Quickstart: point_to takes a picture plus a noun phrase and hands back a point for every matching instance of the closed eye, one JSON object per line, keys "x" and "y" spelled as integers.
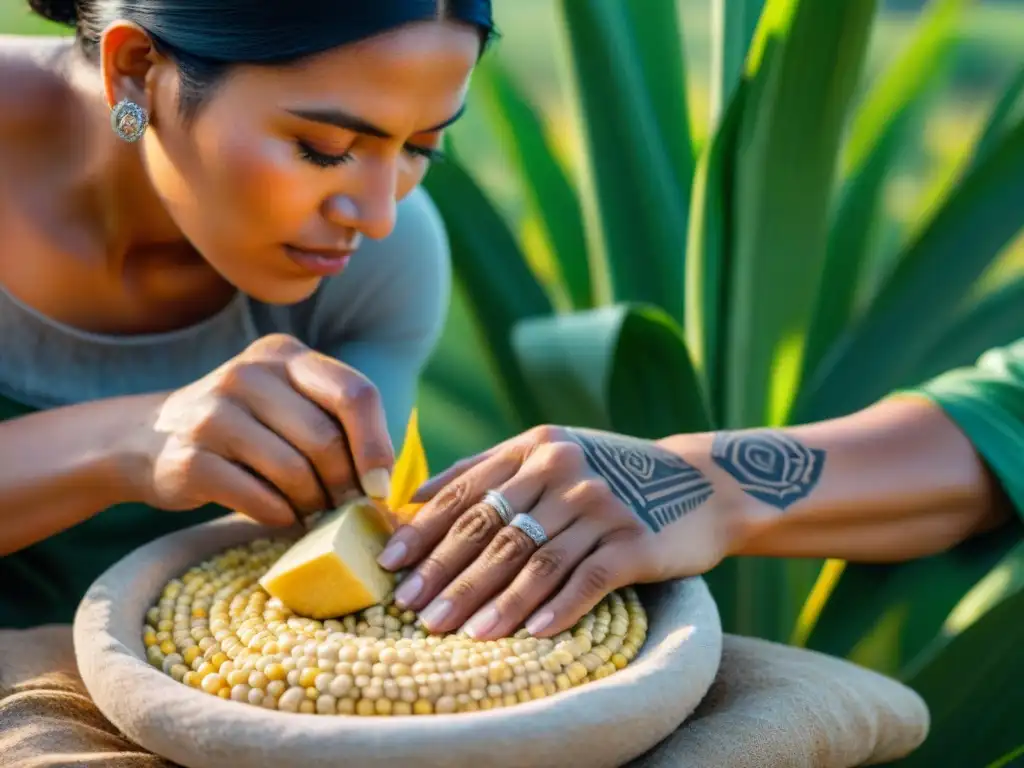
{"x": 322, "y": 159}
{"x": 325, "y": 160}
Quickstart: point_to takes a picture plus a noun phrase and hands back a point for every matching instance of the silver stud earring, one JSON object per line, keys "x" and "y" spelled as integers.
{"x": 129, "y": 120}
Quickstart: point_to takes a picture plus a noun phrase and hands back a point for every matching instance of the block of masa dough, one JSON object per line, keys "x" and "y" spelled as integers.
{"x": 332, "y": 570}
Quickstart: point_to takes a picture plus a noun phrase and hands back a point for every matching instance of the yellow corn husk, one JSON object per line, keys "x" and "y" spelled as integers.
{"x": 410, "y": 472}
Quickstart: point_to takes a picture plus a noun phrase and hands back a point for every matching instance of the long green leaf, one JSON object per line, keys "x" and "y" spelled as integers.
{"x": 708, "y": 253}
{"x": 927, "y": 286}
{"x": 455, "y": 365}
{"x": 803, "y": 62}
{"x": 996, "y": 320}
{"x": 911, "y": 72}
{"x": 891, "y": 107}
{"x": 499, "y": 286}
{"x": 1013, "y": 757}
{"x": 635, "y": 211}
{"x": 1006, "y": 112}
{"x": 623, "y": 368}
{"x": 545, "y": 182}
{"x": 659, "y": 41}
{"x": 786, "y": 166}
{"x": 907, "y": 602}
{"x": 852, "y": 237}
{"x": 732, "y": 28}
{"x": 971, "y": 676}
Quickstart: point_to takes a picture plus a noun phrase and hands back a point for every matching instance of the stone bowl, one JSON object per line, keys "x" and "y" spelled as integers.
{"x": 602, "y": 723}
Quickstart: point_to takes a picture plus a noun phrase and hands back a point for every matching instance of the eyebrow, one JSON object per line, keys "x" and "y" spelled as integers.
{"x": 348, "y": 122}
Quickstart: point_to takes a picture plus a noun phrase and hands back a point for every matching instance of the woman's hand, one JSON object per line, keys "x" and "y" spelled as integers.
{"x": 277, "y": 432}
{"x": 614, "y": 511}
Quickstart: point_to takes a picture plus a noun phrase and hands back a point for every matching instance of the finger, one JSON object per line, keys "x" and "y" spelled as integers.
{"x": 412, "y": 541}
{"x": 304, "y": 424}
{"x": 494, "y": 569}
{"x": 230, "y": 486}
{"x": 613, "y": 565}
{"x": 240, "y": 438}
{"x": 538, "y": 580}
{"x": 467, "y": 538}
{"x": 429, "y": 489}
{"x": 354, "y": 401}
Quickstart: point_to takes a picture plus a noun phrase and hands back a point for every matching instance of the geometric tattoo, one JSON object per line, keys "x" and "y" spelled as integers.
{"x": 656, "y": 484}
{"x": 769, "y": 465}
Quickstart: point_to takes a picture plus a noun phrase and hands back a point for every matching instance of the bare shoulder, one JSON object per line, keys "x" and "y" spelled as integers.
{"x": 33, "y": 89}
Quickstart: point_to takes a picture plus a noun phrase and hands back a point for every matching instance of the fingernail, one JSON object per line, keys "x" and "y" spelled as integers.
{"x": 377, "y": 483}
{"x": 393, "y": 555}
{"x": 482, "y": 623}
{"x": 435, "y": 613}
{"x": 539, "y": 622}
{"x": 408, "y": 590}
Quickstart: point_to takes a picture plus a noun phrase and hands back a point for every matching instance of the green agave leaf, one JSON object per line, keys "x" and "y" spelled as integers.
{"x": 461, "y": 410}
{"x": 996, "y": 320}
{"x": 903, "y": 81}
{"x": 498, "y": 285}
{"x": 1011, "y": 758}
{"x": 545, "y": 182}
{"x": 659, "y": 43}
{"x": 883, "y": 615}
{"x": 934, "y": 274}
{"x": 1006, "y": 113}
{"x": 877, "y": 134}
{"x": 785, "y": 101}
{"x": 808, "y": 57}
{"x": 708, "y": 253}
{"x": 634, "y": 207}
{"x": 760, "y": 597}
{"x": 853, "y": 236}
{"x": 733, "y": 23}
{"x": 971, "y": 675}
{"x": 450, "y": 430}
{"x": 623, "y": 368}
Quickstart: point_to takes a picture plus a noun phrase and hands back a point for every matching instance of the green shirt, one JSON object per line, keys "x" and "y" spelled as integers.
{"x": 987, "y": 402}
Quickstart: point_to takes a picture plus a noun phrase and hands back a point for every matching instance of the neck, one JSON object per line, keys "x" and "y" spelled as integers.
{"x": 142, "y": 245}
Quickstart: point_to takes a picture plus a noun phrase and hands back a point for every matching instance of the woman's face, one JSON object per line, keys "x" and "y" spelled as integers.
{"x": 284, "y": 170}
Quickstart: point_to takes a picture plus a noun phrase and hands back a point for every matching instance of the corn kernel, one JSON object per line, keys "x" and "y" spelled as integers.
{"x": 216, "y": 630}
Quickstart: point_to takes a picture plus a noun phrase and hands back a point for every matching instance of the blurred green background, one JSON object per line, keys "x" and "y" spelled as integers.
{"x": 646, "y": 244}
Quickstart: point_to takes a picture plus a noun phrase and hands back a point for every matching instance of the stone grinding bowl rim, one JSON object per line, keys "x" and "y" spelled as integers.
{"x": 143, "y": 701}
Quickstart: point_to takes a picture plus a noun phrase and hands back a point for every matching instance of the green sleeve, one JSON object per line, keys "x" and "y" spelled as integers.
{"x": 987, "y": 402}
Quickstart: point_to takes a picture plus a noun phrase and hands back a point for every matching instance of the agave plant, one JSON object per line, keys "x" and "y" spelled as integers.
{"x": 745, "y": 283}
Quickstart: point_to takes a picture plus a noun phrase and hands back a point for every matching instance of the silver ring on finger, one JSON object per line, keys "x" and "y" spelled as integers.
{"x": 497, "y": 501}
{"x": 529, "y": 525}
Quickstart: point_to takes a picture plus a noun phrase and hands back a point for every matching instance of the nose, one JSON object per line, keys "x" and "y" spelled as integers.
{"x": 372, "y": 214}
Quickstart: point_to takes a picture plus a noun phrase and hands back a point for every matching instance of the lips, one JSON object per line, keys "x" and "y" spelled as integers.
{"x": 319, "y": 261}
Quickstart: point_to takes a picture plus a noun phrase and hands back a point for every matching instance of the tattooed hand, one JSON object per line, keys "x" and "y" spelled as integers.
{"x": 615, "y": 511}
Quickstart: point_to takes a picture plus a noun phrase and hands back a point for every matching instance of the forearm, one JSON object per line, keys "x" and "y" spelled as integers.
{"x": 60, "y": 467}
{"x": 893, "y": 482}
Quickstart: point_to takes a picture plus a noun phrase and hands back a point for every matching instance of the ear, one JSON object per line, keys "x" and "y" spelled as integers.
{"x": 127, "y": 59}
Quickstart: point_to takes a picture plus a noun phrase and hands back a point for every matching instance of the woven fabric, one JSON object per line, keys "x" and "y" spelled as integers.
{"x": 775, "y": 706}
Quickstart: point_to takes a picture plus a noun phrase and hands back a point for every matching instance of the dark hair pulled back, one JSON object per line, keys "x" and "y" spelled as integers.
{"x": 205, "y": 38}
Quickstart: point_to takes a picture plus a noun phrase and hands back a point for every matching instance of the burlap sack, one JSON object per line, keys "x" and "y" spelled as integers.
{"x": 774, "y": 706}
{"x": 46, "y": 716}
{"x": 770, "y": 707}
{"x": 604, "y": 723}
